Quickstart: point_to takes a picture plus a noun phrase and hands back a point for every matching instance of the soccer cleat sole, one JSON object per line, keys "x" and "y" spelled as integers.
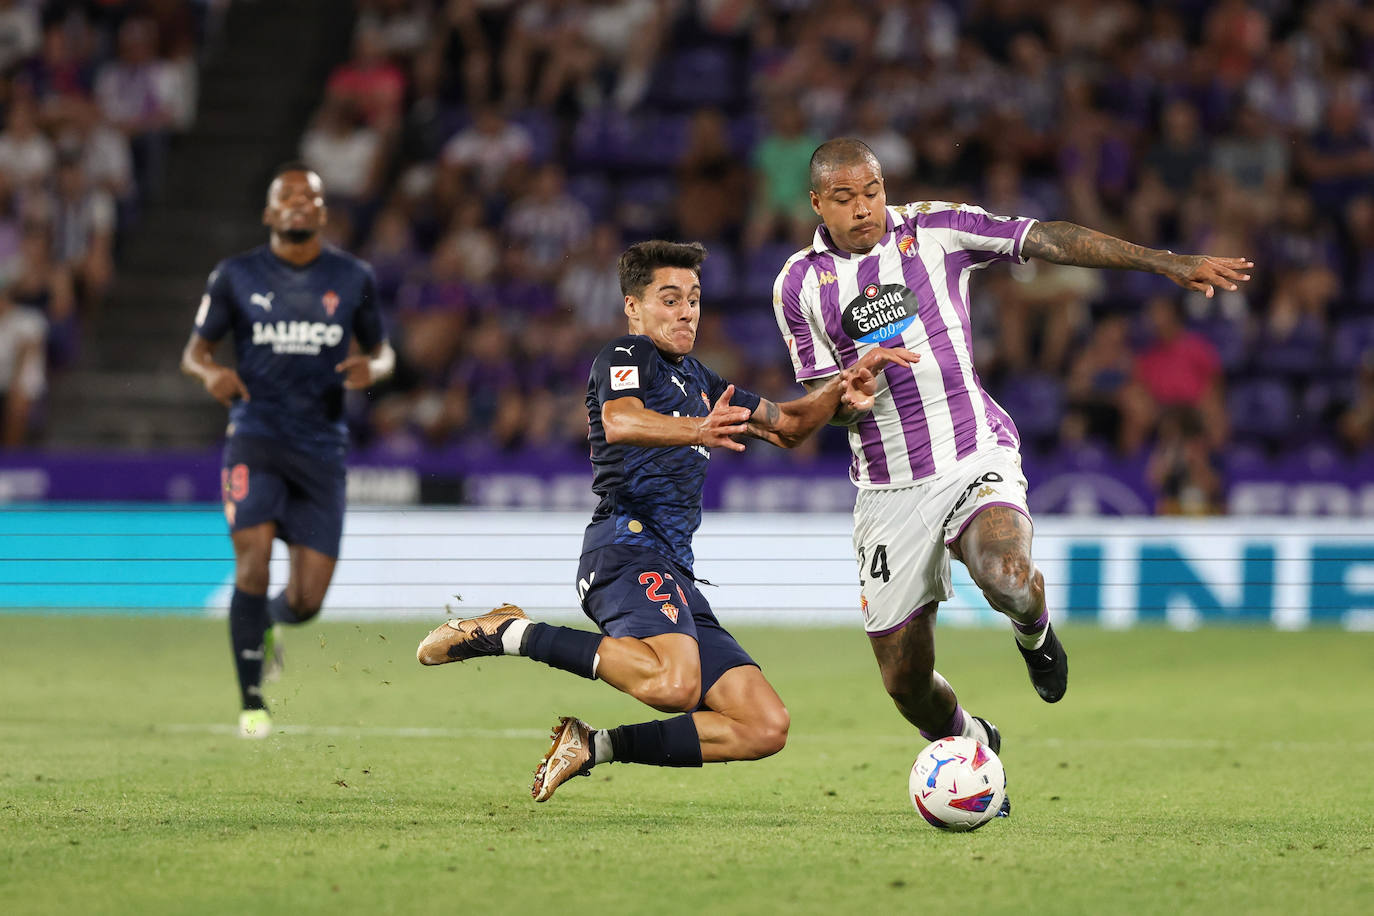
{"x": 474, "y": 637}
{"x": 569, "y": 755}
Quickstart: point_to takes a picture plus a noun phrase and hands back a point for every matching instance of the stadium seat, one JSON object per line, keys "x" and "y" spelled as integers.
{"x": 1351, "y": 339}
{"x": 1261, "y": 407}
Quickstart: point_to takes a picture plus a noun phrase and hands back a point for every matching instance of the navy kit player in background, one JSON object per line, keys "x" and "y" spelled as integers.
{"x": 295, "y": 308}
{"x": 655, "y": 413}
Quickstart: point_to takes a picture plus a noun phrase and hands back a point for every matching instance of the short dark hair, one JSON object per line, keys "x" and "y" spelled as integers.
{"x": 834, "y": 154}
{"x": 291, "y": 165}
{"x": 640, "y": 260}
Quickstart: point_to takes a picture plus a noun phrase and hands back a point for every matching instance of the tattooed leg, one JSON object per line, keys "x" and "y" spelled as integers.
{"x": 996, "y": 548}
{"x": 907, "y": 662}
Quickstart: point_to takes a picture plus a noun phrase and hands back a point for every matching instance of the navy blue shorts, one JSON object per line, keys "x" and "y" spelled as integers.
{"x": 632, "y": 591}
{"x": 303, "y": 494}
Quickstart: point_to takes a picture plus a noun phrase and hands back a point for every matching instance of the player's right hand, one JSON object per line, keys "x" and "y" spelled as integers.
{"x": 723, "y": 422}
{"x": 225, "y": 386}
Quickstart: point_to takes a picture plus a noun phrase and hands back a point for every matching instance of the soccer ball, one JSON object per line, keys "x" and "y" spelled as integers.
{"x": 957, "y": 784}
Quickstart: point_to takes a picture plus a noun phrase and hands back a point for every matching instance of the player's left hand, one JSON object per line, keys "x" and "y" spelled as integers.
{"x": 860, "y": 381}
{"x": 1205, "y": 273}
{"x": 357, "y": 370}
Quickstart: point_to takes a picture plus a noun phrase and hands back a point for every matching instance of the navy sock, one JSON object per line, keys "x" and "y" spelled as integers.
{"x": 663, "y": 742}
{"x": 279, "y": 611}
{"x": 247, "y": 624}
{"x": 561, "y": 647}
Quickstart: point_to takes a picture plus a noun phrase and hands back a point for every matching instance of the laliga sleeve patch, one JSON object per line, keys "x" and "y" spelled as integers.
{"x": 623, "y": 377}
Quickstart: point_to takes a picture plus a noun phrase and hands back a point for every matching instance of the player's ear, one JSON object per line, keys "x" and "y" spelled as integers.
{"x": 815, "y": 202}
{"x": 631, "y": 308}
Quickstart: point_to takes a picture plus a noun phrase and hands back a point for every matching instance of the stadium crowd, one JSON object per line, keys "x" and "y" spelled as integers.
{"x": 92, "y": 93}
{"x": 492, "y": 157}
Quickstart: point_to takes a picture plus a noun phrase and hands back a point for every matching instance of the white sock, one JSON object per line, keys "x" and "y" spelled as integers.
{"x": 1030, "y": 640}
{"x": 511, "y": 635}
{"x": 974, "y": 729}
{"x": 601, "y": 741}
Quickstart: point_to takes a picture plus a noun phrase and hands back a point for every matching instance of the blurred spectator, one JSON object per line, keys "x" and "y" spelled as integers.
{"x": 83, "y": 224}
{"x": 47, "y": 286}
{"x": 133, "y": 96}
{"x": 27, "y": 156}
{"x": 782, "y": 174}
{"x": 393, "y": 254}
{"x": 1182, "y": 468}
{"x": 485, "y": 157}
{"x": 1356, "y": 424}
{"x": 711, "y": 181}
{"x": 346, "y": 153}
{"x": 590, "y": 287}
{"x": 370, "y": 81}
{"x": 19, "y": 32}
{"x": 84, "y": 134}
{"x": 1098, "y": 380}
{"x": 547, "y": 221}
{"x": 1179, "y": 368}
{"x": 23, "y": 377}
{"x": 1359, "y": 278}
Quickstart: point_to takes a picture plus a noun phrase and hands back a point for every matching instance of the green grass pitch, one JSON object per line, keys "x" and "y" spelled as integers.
{"x": 1221, "y": 771}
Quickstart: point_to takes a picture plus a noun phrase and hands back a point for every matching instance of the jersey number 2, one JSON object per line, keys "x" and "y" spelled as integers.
{"x": 654, "y": 582}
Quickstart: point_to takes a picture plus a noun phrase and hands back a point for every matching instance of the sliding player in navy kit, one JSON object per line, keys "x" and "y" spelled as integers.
{"x": 294, "y": 307}
{"x": 655, "y": 412}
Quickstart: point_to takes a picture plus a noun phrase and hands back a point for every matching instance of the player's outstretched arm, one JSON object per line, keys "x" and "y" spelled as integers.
{"x": 1062, "y": 242}
{"x": 363, "y": 370}
{"x": 223, "y": 383}
{"x": 628, "y": 422}
{"x": 840, "y": 398}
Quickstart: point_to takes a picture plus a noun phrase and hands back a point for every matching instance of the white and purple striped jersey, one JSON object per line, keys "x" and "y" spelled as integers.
{"x": 910, "y": 290}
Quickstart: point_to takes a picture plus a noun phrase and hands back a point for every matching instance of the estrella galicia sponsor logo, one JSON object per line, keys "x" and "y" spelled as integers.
{"x": 306, "y": 337}
{"x": 879, "y": 312}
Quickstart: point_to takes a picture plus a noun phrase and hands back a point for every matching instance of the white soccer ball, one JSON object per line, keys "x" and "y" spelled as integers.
{"x": 957, "y": 784}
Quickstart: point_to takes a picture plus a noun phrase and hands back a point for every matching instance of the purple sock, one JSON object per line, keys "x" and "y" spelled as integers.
{"x": 1031, "y": 629}
{"x": 955, "y": 725}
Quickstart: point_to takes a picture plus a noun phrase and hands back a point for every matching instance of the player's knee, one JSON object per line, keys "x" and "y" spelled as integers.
{"x": 769, "y": 734}
{"x": 1007, "y": 580}
{"x": 305, "y": 610}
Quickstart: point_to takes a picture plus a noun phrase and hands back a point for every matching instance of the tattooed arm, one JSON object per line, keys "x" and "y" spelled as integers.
{"x": 1063, "y": 242}
{"x": 847, "y": 396}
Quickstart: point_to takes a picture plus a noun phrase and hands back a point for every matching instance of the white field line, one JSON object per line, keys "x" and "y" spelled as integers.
{"x": 522, "y": 734}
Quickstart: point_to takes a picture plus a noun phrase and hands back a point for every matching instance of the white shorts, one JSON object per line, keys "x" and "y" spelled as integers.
{"x": 902, "y": 536}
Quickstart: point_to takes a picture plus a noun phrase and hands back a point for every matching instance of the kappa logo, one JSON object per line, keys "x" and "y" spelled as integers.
{"x": 262, "y": 299}
{"x": 629, "y": 351}
{"x": 330, "y": 300}
{"x": 680, "y": 384}
{"x": 825, "y": 277}
{"x": 623, "y": 377}
{"x": 986, "y": 491}
{"x": 669, "y": 610}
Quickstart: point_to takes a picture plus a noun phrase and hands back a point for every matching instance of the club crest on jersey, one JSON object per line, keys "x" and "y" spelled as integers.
{"x": 669, "y": 610}
{"x": 879, "y": 313}
{"x": 907, "y": 246}
{"x": 705, "y": 400}
{"x": 331, "y": 302}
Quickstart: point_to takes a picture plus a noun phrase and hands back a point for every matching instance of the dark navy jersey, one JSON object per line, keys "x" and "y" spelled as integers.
{"x": 292, "y": 325}
{"x": 650, "y": 496}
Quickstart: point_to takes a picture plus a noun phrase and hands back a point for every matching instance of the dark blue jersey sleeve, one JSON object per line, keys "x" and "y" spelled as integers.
{"x": 215, "y": 316}
{"x": 367, "y": 320}
{"x": 624, "y": 368}
{"x": 716, "y": 387}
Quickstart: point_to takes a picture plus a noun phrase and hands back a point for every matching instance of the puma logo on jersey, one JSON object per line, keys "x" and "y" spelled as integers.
{"x": 679, "y": 383}
{"x": 629, "y": 351}
{"x": 262, "y": 299}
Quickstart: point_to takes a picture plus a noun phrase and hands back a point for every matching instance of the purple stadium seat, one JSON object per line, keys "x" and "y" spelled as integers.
{"x": 1301, "y": 352}
{"x": 543, "y": 133}
{"x": 1261, "y": 407}
{"x": 701, "y": 76}
{"x": 594, "y": 191}
{"x": 1350, "y": 340}
{"x": 762, "y": 269}
{"x": 718, "y": 281}
{"x": 1230, "y": 339}
{"x": 1035, "y": 402}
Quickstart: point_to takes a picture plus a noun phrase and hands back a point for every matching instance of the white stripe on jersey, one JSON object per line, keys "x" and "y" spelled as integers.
{"x": 927, "y": 419}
